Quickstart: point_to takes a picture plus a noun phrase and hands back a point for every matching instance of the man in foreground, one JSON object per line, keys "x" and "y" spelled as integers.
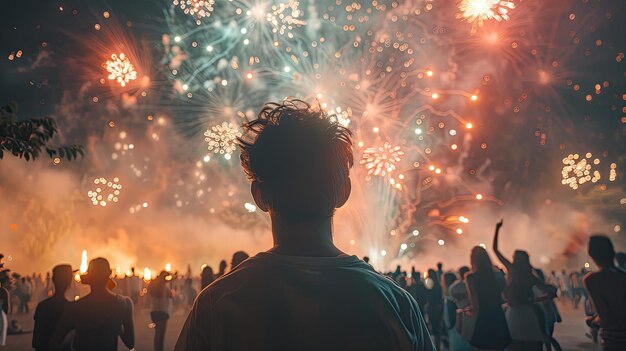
{"x": 49, "y": 311}
{"x": 304, "y": 293}
{"x": 607, "y": 290}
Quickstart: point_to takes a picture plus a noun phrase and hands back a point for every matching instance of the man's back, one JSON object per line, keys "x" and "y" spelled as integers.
{"x": 279, "y": 302}
{"x": 47, "y": 316}
{"x": 607, "y": 289}
{"x": 98, "y": 322}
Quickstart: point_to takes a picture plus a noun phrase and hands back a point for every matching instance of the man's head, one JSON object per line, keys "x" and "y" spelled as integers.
{"x": 439, "y": 266}
{"x": 238, "y": 257}
{"x": 98, "y": 273}
{"x": 298, "y": 161}
{"x": 601, "y": 250}
{"x": 62, "y": 278}
{"x": 463, "y": 271}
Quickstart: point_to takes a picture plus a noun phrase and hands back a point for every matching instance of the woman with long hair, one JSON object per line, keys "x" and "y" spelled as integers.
{"x": 521, "y": 315}
{"x": 490, "y": 326}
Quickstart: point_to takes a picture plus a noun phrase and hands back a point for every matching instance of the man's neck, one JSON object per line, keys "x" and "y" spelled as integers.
{"x": 313, "y": 239}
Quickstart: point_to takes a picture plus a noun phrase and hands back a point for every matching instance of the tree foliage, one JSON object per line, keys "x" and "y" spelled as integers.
{"x": 28, "y": 139}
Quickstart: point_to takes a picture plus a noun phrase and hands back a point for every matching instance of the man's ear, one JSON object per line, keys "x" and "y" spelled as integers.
{"x": 257, "y": 195}
{"x": 346, "y": 189}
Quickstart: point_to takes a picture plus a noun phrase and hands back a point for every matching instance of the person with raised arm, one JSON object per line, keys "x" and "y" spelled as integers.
{"x": 522, "y": 316}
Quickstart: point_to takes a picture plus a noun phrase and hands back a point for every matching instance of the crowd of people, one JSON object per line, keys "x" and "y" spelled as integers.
{"x": 304, "y": 293}
{"x": 480, "y": 306}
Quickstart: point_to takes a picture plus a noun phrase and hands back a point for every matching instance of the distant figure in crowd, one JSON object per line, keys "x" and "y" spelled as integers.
{"x": 303, "y": 293}
{"x": 457, "y": 293}
{"x": 49, "y": 311}
{"x": 25, "y": 294}
{"x": 160, "y": 295}
{"x": 134, "y": 286}
{"x": 5, "y": 305}
{"x": 238, "y": 257}
{"x": 486, "y": 323}
{"x": 206, "y": 277}
{"x": 366, "y": 259}
{"x": 100, "y": 317}
{"x": 434, "y": 306}
{"x": 523, "y": 319}
{"x": 550, "y": 313}
{"x": 222, "y": 268}
{"x": 607, "y": 290}
{"x": 189, "y": 292}
{"x": 620, "y": 258}
{"x": 439, "y": 271}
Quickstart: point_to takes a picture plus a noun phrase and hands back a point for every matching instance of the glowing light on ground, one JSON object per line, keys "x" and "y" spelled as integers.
{"x": 83, "y": 262}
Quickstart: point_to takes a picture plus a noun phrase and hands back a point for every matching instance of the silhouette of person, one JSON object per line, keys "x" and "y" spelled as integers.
{"x": 49, "y": 311}
{"x": 620, "y": 258}
{"x": 100, "y": 317}
{"x": 525, "y": 324}
{"x": 206, "y": 277}
{"x": 222, "y": 269}
{"x": 134, "y": 286}
{"x": 160, "y": 295}
{"x": 303, "y": 293}
{"x": 490, "y": 331}
{"x": 238, "y": 257}
{"x": 434, "y": 306}
{"x": 607, "y": 290}
{"x": 366, "y": 259}
{"x": 5, "y": 304}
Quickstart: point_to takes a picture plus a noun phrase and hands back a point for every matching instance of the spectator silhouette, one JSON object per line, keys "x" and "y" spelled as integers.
{"x": 206, "y": 277}
{"x": 100, "y": 317}
{"x": 222, "y": 269}
{"x": 523, "y": 319}
{"x": 238, "y": 257}
{"x": 5, "y": 303}
{"x": 607, "y": 290}
{"x": 434, "y": 306}
{"x": 303, "y": 293}
{"x": 160, "y": 295}
{"x": 620, "y": 258}
{"x": 49, "y": 311}
{"x": 490, "y": 331}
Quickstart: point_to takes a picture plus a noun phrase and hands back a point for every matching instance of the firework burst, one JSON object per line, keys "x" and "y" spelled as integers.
{"x": 382, "y": 160}
{"x": 222, "y": 139}
{"x": 477, "y": 12}
{"x": 106, "y": 191}
{"x": 121, "y": 69}
{"x": 577, "y": 170}
{"x": 284, "y": 17}
{"x": 198, "y": 8}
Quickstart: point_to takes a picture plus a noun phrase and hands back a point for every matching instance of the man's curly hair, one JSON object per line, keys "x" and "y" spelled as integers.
{"x": 299, "y": 158}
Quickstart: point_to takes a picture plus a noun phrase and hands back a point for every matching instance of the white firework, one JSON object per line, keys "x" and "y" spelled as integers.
{"x": 106, "y": 191}
{"x": 285, "y": 16}
{"x": 197, "y": 8}
{"x": 222, "y": 139}
{"x": 381, "y": 161}
{"x": 121, "y": 69}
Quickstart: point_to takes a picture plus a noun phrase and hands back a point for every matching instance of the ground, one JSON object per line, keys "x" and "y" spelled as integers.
{"x": 570, "y": 333}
